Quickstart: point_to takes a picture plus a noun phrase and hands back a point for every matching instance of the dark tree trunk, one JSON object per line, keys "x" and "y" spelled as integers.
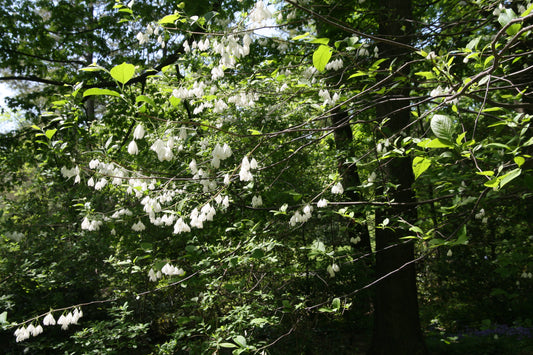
{"x": 350, "y": 176}
{"x": 397, "y": 324}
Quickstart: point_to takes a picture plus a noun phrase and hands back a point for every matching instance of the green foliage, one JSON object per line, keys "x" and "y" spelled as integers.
{"x": 207, "y": 187}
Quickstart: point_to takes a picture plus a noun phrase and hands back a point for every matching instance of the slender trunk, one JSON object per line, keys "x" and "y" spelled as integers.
{"x": 397, "y": 324}
{"x": 350, "y": 176}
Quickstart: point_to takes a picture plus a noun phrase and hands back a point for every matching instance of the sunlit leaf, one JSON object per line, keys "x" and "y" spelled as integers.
{"x": 123, "y": 72}
{"x": 321, "y": 57}
{"x": 420, "y": 164}
{"x": 98, "y": 91}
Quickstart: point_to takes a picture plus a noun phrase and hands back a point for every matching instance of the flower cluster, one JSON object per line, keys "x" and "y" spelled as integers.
{"x": 335, "y": 64}
{"x": 220, "y": 153}
{"x": 337, "y": 189}
{"x": 89, "y": 225}
{"x": 171, "y": 270}
{"x": 328, "y": 100}
{"x": 246, "y": 166}
{"x": 24, "y": 333}
{"x": 138, "y": 227}
{"x": 68, "y": 173}
{"x": 301, "y": 217}
{"x": 322, "y": 203}
{"x": 260, "y": 14}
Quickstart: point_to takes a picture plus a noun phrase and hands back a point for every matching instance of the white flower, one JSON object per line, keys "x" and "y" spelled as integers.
{"x": 335, "y": 64}
{"x": 94, "y": 163}
{"x": 257, "y": 201}
{"x": 225, "y": 202}
{"x": 100, "y": 184}
{"x": 63, "y": 321}
{"x": 138, "y": 133}
{"x": 139, "y": 226}
{"x": 244, "y": 173}
{"x": 307, "y": 210}
{"x": 260, "y": 13}
{"x": 152, "y": 275}
{"x": 49, "y": 319}
{"x": 37, "y": 330}
{"x": 21, "y": 334}
{"x": 171, "y": 270}
{"x": 337, "y": 189}
{"x": 142, "y": 38}
{"x": 76, "y": 315}
{"x": 181, "y": 227}
{"x": 322, "y": 203}
{"x": 193, "y": 167}
{"x": 253, "y": 164}
{"x": 132, "y": 148}
{"x": 449, "y": 253}
{"x": 355, "y": 240}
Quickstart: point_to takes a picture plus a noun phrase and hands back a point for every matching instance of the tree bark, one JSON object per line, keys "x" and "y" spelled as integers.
{"x": 396, "y": 319}
{"x": 350, "y": 176}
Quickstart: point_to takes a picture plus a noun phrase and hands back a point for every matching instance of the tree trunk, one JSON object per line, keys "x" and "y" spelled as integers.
{"x": 396, "y": 320}
{"x": 350, "y": 176}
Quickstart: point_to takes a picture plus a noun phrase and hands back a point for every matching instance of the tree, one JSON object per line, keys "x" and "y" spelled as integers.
{"x": 220, "y": 171}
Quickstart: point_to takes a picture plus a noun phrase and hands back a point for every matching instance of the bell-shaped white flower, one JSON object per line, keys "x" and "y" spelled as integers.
{"x": 49, "y": 319}
{"x": 138, "y": 133}
{"x": 132, "y": 148}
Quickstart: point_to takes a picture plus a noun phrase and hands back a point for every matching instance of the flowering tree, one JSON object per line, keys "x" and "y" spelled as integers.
{"x": 252, "y": 151}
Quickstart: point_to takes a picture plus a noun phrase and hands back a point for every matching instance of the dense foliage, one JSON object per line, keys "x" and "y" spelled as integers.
{"x": 229, "y": 176}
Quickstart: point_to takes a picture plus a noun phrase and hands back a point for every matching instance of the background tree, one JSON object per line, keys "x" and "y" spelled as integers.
{"x": 213, "y": 186}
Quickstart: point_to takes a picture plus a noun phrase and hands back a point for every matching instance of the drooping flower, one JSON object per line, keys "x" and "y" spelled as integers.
{"x": 139, "y": 226}
{"x": 337, "y": 189}
{"x": 49, "y": 319}
{"x": 322, "y": 203}
{"x": 138, "y": 133}
{"x": 257, "y": 201}
{"x": 132, "y": 148}
{"x": 181, "y": 227}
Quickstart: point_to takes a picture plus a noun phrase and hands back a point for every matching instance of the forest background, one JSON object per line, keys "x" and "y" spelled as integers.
{"x": 281, "y": 177}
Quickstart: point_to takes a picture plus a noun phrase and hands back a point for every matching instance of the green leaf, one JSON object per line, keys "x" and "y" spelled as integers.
{"x": 300, "y": 36}
{"x": 485, "y": 173}
{"x": 434, "y": 143}
{"x": 123, "y": 72}
{"x": 227, "y": 345}
{"x": 320, "y": 41}
{"x": 144, "y": 98}
{"x": 525, "y": 13}
{"x": 460, "y": 138}
{"x": 506, "y": 16}
{"x": 442, "y": 127}
{"x": 321, "y": 57}
{"x": 519, "y": 161}
{"x": 462, "y": 237}
{"x": 169, "y": 19}
{"x": 501, "y": 181}
{"x": 420, "y": 164}
{"x": 98, "y": 91}
{"x": 50, "y": 133}
{"x": 240, "y": 340}
{"x": 426, "y": 74}
{"x": 510, "y": 176}
{"x": 336, "y": 303}
{"x": 3, "y": 317}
